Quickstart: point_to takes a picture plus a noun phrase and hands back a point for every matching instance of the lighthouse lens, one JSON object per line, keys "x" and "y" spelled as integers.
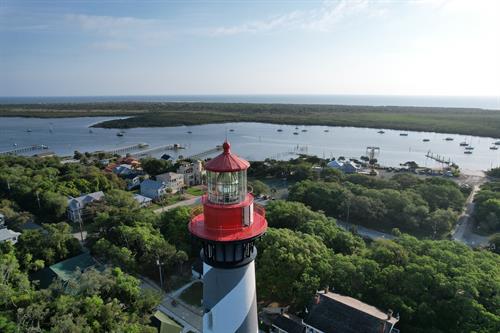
{"x": 226, "y": 187}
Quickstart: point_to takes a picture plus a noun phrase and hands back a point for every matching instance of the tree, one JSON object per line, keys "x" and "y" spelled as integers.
{"x": 52, "y": 244}
{"x": 53, "y": 204}
{"x": 291, "y": 266}
{"x": 291, "y": 215}
{"x": 259, "y": 187}
{"x": 441, "y": 221}
{"x": 333, "y": 237}
{"x": 174, "y": 227}
{"x": 154, "y": 166}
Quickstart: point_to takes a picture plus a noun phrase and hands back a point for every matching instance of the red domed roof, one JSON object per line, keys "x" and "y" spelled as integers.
{"x": 227, "y": 162}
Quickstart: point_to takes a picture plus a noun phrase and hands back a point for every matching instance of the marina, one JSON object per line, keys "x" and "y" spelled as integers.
{"x": 258, "y": 141}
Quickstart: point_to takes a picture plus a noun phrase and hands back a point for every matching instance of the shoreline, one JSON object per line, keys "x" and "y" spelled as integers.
{"x": 462, "y": 121}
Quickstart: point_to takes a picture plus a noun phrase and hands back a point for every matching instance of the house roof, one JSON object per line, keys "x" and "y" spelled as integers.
{"x": 6, "y": 234}
{"x": 170, "y": 175}
{"x": 333, "y": 312}
{"x": 141, "y": 199}
{"x": 131, "y": 175}
{"x": 335, "y": 164}
{"x": 152, "y": 184}
{"x": 65, "y": 269}
{"x": 227, "y": 162}
{"x": 288, "y": 324}
{"x": 85, "y": 199}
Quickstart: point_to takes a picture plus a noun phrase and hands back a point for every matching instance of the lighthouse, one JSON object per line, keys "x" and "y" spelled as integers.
{"x": 228, "y": 228}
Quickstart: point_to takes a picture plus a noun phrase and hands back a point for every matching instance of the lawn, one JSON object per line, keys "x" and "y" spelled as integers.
{"x": 195, "y": 191}
{"x": 194, "y": 294}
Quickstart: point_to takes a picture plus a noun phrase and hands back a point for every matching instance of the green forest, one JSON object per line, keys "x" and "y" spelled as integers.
{"x": 436, "y": 286}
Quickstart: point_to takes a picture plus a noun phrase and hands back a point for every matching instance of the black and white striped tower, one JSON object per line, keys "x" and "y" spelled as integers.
{"x": 228, "y": 229}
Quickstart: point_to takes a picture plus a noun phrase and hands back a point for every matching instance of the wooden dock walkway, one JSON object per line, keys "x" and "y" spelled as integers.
{"x": 438, "y": 158}
{"x": 148, "y": 152}
{"x": 25, "y": 149}
{"x": 205, "y": 153}
{"x": 127, "y": 149}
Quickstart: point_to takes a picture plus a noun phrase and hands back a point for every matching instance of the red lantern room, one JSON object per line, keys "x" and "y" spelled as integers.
{"x": 230, "y": 222}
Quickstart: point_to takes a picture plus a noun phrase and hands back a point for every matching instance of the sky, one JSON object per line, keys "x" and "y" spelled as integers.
{"x": 111, "y": 47}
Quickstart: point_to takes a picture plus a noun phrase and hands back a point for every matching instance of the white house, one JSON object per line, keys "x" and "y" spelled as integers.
{"x": 76, "y": 205}
{"x": 142, "y": 200}
{"x": 8, "y": 235}
{"x": 153, "y": 189}
{"x": 193, "y": 172}
{"x": 346, "y": 167}
{"x": 173, "y": 181}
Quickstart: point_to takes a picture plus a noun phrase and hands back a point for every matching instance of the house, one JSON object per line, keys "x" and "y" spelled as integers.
{"x": 76, "y": 205}
{"x": 133, "y": 180}
{"x": 8, "y": 235}
{"x": 173, "y": 181}
{"x": 335, "y": 313}
{"x": 164, "y": 323}
{"x": 193, "y": 172}
{"x": 2, "y": 220}
{"x": 123, "y": 170}
{"x": 153, "y": 189}
{"x": 66, "y": 269}
{"x": 142, "y": 200}
{"x": 350, "y": 167}
{"x": 134, "y": 162}
{"x": 286, "y": 323}
{"x": 346, "y": 167}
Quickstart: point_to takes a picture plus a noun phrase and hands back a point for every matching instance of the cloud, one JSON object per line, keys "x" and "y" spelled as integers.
{"x": 110, "y": 25}
{"x": 111, "y": 45}
{"x": 321, "y": 19}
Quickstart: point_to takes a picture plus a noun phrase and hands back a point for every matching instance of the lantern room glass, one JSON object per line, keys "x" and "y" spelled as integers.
{"x": 227, "y": 187}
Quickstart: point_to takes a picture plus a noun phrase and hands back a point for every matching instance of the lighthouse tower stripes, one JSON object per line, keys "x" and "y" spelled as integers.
{"x": 227, "y": 229}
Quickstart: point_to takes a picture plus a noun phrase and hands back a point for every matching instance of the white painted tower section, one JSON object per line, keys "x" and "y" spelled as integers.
{"x": 230, "y": 300}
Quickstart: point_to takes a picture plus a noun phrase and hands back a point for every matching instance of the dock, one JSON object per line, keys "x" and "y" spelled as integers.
{"x": 127, "y": 149}
{"x": 148, "y": 152}
{"x": 204, "y": 154}
{"x": 25, "y": 149}
{"x": 438, "y": 158}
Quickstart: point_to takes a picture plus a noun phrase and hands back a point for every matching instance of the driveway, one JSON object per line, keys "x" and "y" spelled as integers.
{"x": 464, "y": 231}
{"x": 188, "y": 202}
{"x": 365, "y": 232}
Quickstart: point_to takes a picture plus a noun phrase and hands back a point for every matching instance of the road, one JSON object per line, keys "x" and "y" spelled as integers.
{"x": 464, "y": 230}
{"x": 191, "y": 319}
{"x": 188, "y": 202}
{"x": 365, "y": 232}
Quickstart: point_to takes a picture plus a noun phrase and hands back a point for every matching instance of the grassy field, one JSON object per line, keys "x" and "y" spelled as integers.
{"x": 193, "y": 294}
{"x": 446, "y": 120}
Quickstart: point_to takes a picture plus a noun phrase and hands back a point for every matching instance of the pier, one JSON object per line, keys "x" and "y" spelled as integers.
{"x": 438, "y": 158}
{"x": 150, "y": 151}
{"x": 26, "y": 149}
{"x": 127, "y": 149}
{"x": 204, "y": 154}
